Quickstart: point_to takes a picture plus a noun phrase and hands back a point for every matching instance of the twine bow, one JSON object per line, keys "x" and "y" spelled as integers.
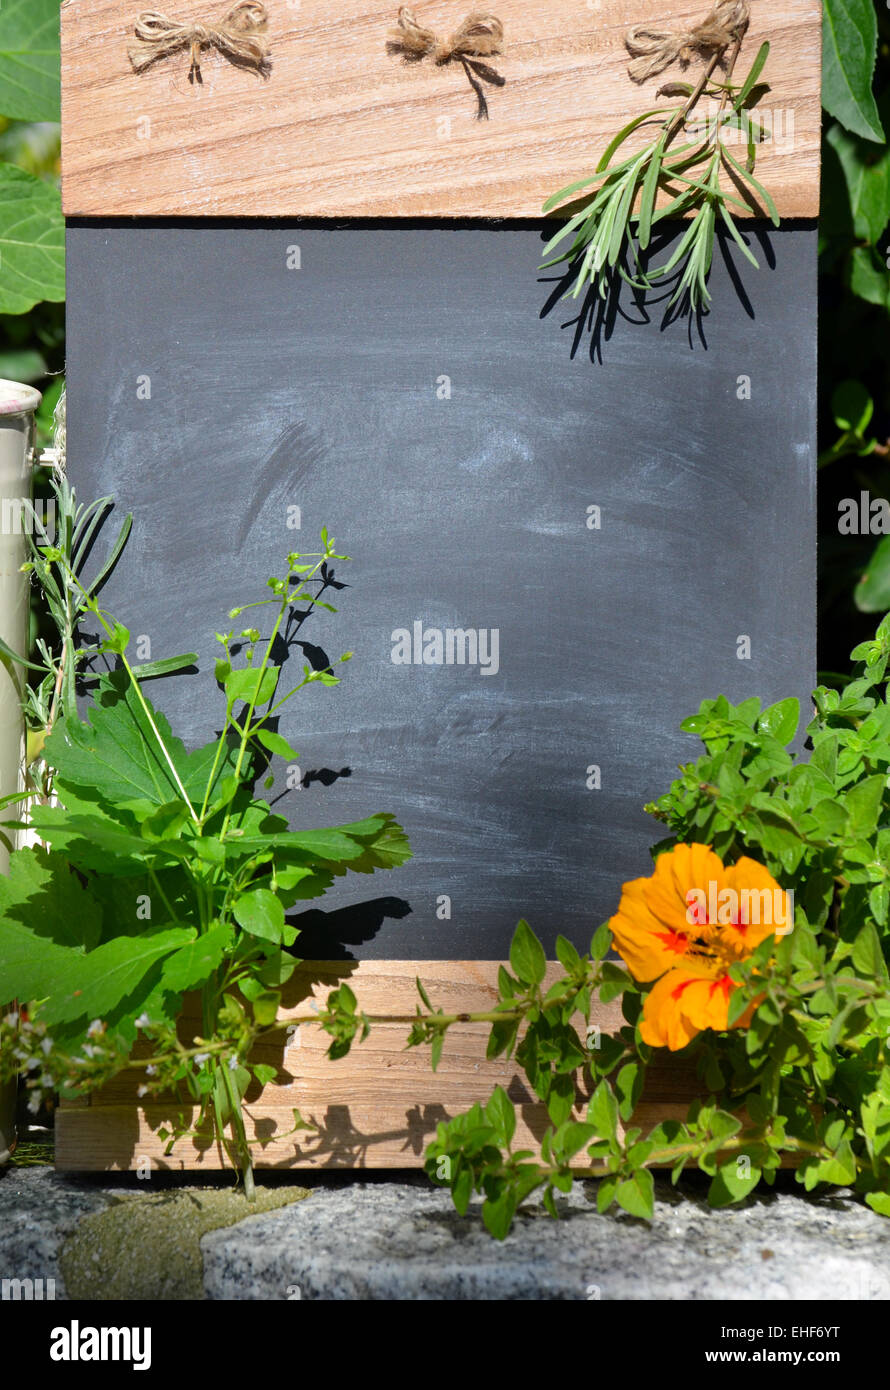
{"x": 655, "y": 49}
{"x": 235, "y": 35}
{"x": 480, "y": 36}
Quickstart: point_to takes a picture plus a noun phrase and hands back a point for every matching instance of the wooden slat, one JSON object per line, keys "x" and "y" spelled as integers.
{"x": 342, "y": 128}
{"x": 376, "y": 1108}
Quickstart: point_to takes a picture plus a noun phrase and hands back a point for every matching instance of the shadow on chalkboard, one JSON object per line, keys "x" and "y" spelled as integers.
{"x": 328, "y": 935}
{"x": 597, "y": 315}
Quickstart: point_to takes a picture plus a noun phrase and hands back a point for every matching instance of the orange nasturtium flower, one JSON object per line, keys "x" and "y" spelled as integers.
{"x": 684, "y": 927}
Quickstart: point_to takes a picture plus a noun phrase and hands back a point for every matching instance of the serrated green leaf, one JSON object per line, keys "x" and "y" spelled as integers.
{"x": 195, "y": 962}
{"x": 29, "y": 60}
{"x": 94, "y": 984}
{"x": 32, "y": 240}
{"x": 116, "y": 754}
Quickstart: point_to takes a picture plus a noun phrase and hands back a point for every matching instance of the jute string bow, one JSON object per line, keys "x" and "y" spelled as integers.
{"x": 235, "y": 35}
{"x": 480, "y": 36}
{"x": 655, "y": 49}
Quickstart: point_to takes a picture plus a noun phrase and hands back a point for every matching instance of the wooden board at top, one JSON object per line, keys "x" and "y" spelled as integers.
{"x": 343, "y": 128}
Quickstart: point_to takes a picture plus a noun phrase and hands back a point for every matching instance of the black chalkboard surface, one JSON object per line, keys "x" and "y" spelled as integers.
{"x": 595, "y": 531}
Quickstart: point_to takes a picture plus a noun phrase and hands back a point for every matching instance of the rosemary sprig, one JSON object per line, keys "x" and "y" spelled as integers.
{"x": 620, "y": 213}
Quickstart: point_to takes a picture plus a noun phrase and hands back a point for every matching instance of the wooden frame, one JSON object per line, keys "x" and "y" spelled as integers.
{"x": 376, "y": 1108}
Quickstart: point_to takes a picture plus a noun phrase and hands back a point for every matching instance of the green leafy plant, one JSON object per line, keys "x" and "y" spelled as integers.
{"x": 849, "y": 45}
{"x": 689, "y": 158}
{"x": 806, "y": 1073}
{"x": 854, "y": 299}
{"x": 852, "y": 409}
{"x": 161, "y": 871}
{"x": 32, "y": 231}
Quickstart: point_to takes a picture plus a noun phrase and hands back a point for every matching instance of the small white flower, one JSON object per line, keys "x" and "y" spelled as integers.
{"x": 11, "y": 1020}
{"x": 32, "y": 1062}
{"x": 88, "y": 1050}
{"x": 201, "y": 1058}
{"x": 143, "y": 1021}
{"x": 150, "y": 1070}
{"x": 95, "y": 1028}
{"x": 46, "y": 1046}
{"x": 34, "y": 1104}
{"x": 142, "y": 1091}
{"x": 233, "y": 1064}
{"x": 46, "y": 1082}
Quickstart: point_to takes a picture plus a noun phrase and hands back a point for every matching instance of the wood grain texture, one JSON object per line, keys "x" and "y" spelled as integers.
{"x": 376, "y": 1108}
{"x": 342, "y": 128}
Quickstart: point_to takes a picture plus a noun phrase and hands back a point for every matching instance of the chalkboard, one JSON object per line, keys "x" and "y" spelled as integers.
{"x": 596, "y": 521}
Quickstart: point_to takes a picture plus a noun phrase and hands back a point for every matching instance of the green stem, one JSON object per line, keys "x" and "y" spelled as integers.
{"x": 245, "y": 1162}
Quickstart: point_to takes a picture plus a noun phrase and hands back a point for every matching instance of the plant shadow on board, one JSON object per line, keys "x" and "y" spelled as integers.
{"x": 592, "y": 317}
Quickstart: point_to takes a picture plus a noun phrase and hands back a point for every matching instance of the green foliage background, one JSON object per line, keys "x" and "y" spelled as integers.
{"x": 32, "y": 278}
{"x": 854, "y": 325}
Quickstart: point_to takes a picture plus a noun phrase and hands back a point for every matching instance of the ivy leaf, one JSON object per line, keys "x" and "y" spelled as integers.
{"x": 32, "y": 240}
{"x": 527, "y": 955}
{"x": 29, "y": 60}
{"x": 849, "y": 48}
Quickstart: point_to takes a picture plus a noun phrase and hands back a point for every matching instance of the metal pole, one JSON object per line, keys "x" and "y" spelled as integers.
{"x": 17, "y": 431}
